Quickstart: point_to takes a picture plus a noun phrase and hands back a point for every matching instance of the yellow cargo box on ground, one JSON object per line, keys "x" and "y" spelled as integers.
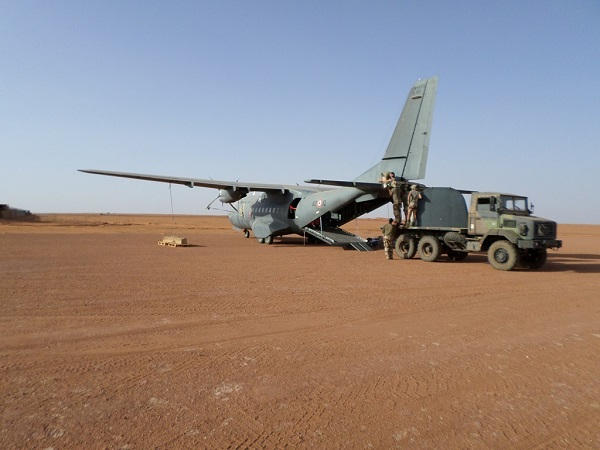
{"x": 173, "y": 241}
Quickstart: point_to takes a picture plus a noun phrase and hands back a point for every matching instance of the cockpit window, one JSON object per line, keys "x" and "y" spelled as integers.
{"x": 514, "y": 203}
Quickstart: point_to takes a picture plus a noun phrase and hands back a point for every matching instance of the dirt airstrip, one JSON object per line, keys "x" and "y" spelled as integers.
{"x": 109, "y": 340}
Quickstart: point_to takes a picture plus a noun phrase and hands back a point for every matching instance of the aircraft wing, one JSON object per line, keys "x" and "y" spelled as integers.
{"x": 357, "y": 184}
{"x": 215, "y": 184}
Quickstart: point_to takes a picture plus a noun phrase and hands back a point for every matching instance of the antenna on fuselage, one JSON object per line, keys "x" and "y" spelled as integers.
{"x": 171, "y": 197}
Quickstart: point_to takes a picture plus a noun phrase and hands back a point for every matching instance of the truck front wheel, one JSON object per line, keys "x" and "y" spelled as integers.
{"x": 406, "y": 247}
{"x": 503, "y": 255}
{"x": 429, "y": 248}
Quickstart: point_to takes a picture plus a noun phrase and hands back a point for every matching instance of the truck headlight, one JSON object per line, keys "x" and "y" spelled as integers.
{"x": 523, "y": 229}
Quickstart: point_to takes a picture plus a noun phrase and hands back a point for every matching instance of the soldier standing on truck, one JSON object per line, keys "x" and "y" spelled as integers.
{"x": 413, "y": 202}
{"x": 389, "y": 233}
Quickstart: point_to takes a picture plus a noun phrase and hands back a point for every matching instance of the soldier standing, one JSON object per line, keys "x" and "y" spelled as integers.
{"x": 389, "y": 233}
{"x": 404, "y": 196}
{"x": 413, "y": 203}
{"x": 396, "y": 193}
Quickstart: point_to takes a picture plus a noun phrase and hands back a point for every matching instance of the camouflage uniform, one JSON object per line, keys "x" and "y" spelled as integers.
{"x": 389, "y": 233}
{"x": 404, "y": 196}
{"x": 396, "y": 192}
{"x": 413, "y": 203}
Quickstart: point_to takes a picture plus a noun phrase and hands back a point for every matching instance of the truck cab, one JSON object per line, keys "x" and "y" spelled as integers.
{"x": 489, "y": 210}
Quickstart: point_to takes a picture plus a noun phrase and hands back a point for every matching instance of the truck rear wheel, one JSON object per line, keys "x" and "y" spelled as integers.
{"x": 503, "y": 255}
{"x": 455, "y": 255}
{"x": 534, "y": 259}
{"x": 406, "y": 247}
{"x": 429, "y": 248}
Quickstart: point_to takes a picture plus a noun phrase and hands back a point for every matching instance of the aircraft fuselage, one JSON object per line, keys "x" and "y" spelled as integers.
{"x": 268, "y": 214}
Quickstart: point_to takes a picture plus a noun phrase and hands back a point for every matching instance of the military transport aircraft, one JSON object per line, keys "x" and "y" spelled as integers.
{"x": 319, "y": 211}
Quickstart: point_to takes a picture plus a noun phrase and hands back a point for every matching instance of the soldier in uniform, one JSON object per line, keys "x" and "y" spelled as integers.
{"x": 404, "y": 197}
{"x": 389, "y": 233}
{"x": 396, "y": 194}
{"x": 385, "y": 180}
{"x": 413, "y": 202}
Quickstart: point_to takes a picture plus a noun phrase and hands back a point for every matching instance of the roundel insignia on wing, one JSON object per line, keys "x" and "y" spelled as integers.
{"x": 319, "y": 203}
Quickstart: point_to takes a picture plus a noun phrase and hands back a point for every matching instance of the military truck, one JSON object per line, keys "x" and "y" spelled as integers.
{"x": 500, "y": 224}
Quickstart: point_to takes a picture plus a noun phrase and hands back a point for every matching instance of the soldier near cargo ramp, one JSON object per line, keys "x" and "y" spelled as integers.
{"x": 389, "y": 233}
{"x": 396, "y": 194}
{"x": 404, "y": 191}
{"x": 413, "y": 203}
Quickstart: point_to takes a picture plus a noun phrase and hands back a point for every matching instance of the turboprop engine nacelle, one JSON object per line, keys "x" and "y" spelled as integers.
{"x": 230, "y": 195}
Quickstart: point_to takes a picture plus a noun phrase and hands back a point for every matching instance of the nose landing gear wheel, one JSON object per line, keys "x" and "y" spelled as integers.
{"x": 246, "y": 234}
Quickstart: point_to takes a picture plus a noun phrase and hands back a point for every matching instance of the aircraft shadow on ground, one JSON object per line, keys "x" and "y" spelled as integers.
{"x": 293, "y": 241}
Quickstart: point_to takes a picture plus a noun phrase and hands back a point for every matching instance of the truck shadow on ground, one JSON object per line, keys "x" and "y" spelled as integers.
{"x": 581, "y": 263}
{"x": 572, "y": 262}
{"x": 560, "y": 262}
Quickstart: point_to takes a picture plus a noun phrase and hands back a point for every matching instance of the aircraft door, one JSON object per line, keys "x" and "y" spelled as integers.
{"x": 292, "y": 208}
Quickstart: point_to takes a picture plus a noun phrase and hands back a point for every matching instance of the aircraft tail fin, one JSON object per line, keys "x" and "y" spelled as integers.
{"x": 406, "y": 154}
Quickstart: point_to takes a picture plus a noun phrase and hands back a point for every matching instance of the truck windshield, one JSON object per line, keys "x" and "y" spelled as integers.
{"x": 513, "y": 203}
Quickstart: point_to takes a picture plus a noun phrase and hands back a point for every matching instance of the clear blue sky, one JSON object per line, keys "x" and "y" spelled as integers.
{"x": 282, "y": 91}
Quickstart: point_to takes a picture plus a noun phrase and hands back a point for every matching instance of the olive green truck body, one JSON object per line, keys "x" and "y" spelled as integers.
{"x": 496, "y": 223}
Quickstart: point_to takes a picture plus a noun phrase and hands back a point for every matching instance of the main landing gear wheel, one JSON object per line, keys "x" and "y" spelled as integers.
{"x": 503, "y": 255}
{"x": 429, "y": 248}
{"x": 454, "y": 255}
{"x": 534, "y": 259}
{"x": 405, "y": 247}
{"x": 246, "y": 234}
{"x": 261, "y": 240}
{"x": 269, "y": 240}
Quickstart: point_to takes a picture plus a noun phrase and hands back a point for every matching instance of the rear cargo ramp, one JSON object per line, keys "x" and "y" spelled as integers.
{"x": 340, "y": 238}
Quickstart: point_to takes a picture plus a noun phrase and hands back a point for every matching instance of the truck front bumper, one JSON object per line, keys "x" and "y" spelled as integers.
{"x": 546, "y": 243}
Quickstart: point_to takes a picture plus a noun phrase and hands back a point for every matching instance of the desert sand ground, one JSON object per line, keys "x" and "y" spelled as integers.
{"x": 109, "y": 340}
